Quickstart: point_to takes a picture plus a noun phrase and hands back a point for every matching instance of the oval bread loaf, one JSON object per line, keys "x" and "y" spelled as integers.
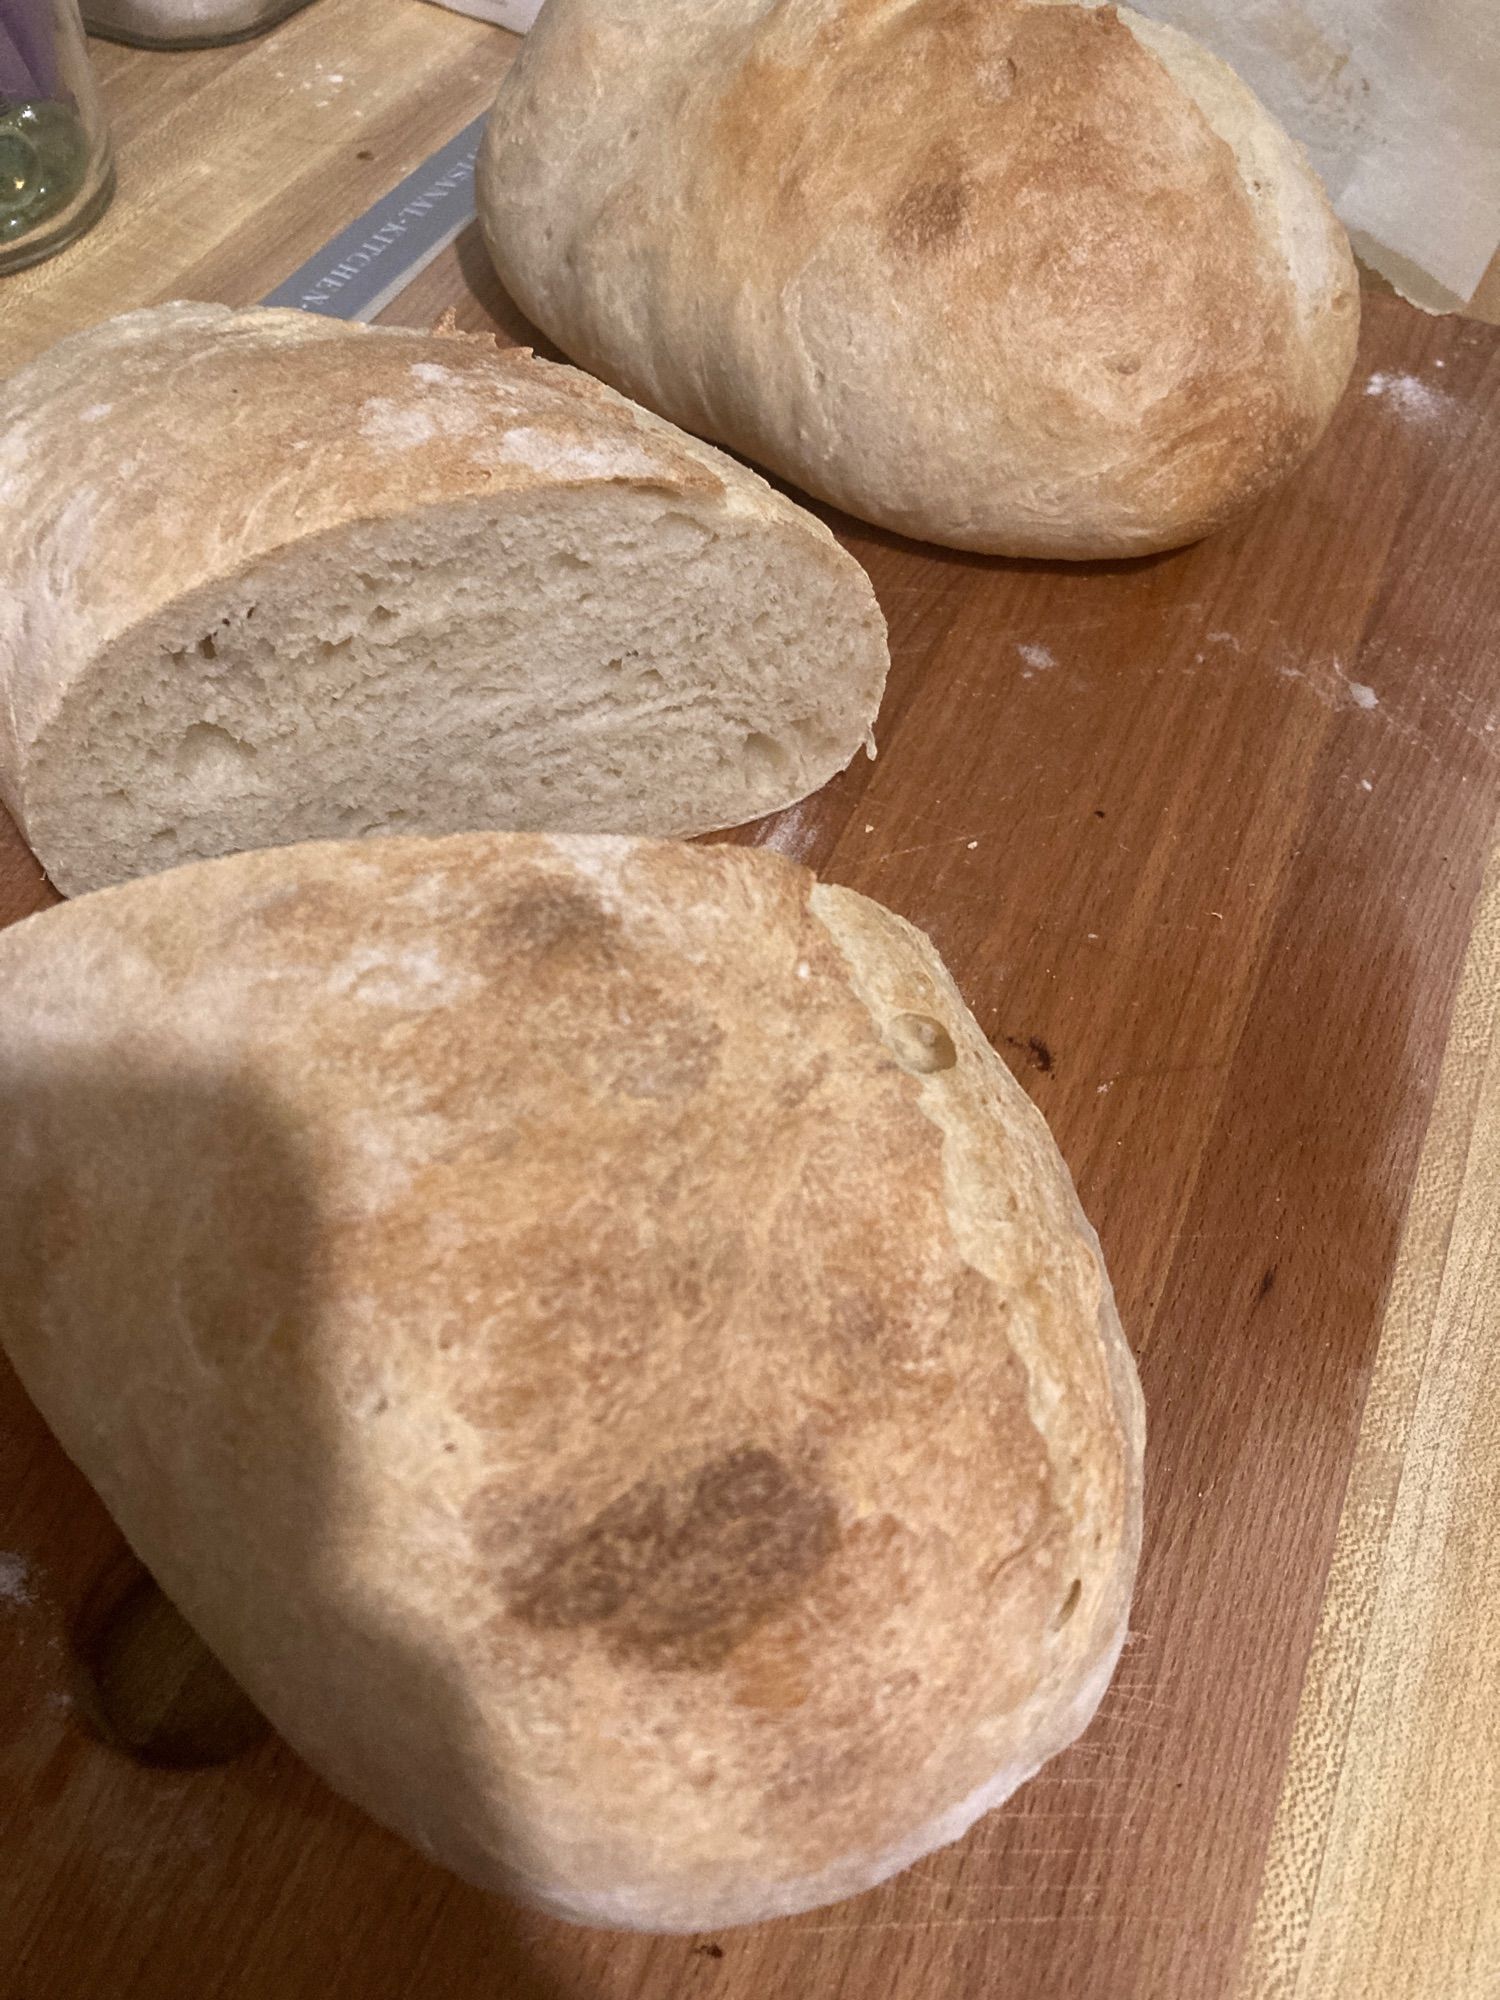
{"x": 591, "y": 1335}
{"x": 268, "y": 577}
{"x": 1044, "y": 280}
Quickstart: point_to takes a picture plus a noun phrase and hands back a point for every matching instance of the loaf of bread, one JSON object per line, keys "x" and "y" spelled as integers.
{"x": 593, "y": 1338}
{"x": 1039, "y": 279}
{"x": 266, "y": 577}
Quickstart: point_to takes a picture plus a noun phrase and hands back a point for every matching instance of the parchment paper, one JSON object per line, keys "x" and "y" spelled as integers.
{"x": 1398, "y": 105}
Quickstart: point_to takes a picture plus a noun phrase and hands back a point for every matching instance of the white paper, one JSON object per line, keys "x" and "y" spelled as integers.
{"x": 1398, "y": 105}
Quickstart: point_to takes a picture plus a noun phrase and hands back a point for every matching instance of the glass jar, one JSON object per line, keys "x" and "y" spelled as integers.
{"x": 184, "y": 24}
{"x": 56, "y": 173}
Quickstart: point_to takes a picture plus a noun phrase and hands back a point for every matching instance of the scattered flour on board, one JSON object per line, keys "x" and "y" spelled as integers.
{"x": 1409, "y": 396}
{"x": 790, "y": 834}
{"x": 1037, "y": 658}
{"x": 1330, "y": 682}
{"x": 15, "y": 1580}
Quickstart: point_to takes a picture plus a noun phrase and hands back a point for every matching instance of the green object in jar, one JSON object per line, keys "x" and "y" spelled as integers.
{"x": 44, "y": 159}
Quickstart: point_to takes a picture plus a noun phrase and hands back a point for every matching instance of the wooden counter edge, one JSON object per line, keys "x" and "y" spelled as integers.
{"x": 1383, "y": 1872}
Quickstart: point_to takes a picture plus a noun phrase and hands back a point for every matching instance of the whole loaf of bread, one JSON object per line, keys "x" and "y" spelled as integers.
{"x": 1038, "y": 279}
{"x": 591, "y": 1335}
{"x": 266, "y": 577}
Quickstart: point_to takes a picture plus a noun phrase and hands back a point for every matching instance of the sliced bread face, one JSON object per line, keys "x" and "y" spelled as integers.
{"x": 278, "y": 578}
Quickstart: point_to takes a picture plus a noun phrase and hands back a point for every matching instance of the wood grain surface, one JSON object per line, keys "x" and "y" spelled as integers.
{"x": 1383, "y": 1877}
{"x": 1203, "y": 839}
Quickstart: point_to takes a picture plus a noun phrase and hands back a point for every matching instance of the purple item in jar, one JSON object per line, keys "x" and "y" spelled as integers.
{"x": 28, "y": 51}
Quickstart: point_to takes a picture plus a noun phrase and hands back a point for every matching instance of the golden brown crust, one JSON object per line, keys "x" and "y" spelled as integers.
{"x": 985, "y": 271}
{"x": 621, "y": 1375}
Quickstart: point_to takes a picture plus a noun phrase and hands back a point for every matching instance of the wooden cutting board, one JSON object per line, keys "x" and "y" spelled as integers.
{"x": 1203, "y": 840}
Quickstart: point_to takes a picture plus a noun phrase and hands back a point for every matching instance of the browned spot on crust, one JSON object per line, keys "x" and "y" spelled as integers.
{"x": 772, "y": 1672}
{"x": 679, "y": 1573}
{"x": 930, "y": 215}
{"x": 553, "y": 918}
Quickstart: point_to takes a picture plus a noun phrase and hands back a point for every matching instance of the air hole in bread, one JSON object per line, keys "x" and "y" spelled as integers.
{"x": 763, "y": 753}
{"x": 680, "y": 533}
{"x": 207, "y": 650}
{"x": 329, "y": 649}
{"x": 382, "y": 615}
{"x": 209, "y": 752}
{"x": 920, "y": 1044}
{"x": 1069, "y": 1604}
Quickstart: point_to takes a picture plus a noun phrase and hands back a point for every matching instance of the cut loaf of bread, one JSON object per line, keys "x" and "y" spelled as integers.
{"x": 591, "y": 1335}
{"x": 268, "y": 577}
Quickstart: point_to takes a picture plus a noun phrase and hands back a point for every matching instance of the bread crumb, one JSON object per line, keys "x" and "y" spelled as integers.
{"x": 1037, "y": 658}
{"x": 1362, "y": 696}
{"x": 1365, "y": 785}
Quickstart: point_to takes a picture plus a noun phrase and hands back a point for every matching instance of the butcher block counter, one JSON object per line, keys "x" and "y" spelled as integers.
{"x": 1206, "y": 840}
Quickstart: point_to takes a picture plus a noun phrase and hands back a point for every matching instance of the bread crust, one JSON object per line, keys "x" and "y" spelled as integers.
{"x": 1034, "y": 279}
{"x": 621, "y": 1376}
